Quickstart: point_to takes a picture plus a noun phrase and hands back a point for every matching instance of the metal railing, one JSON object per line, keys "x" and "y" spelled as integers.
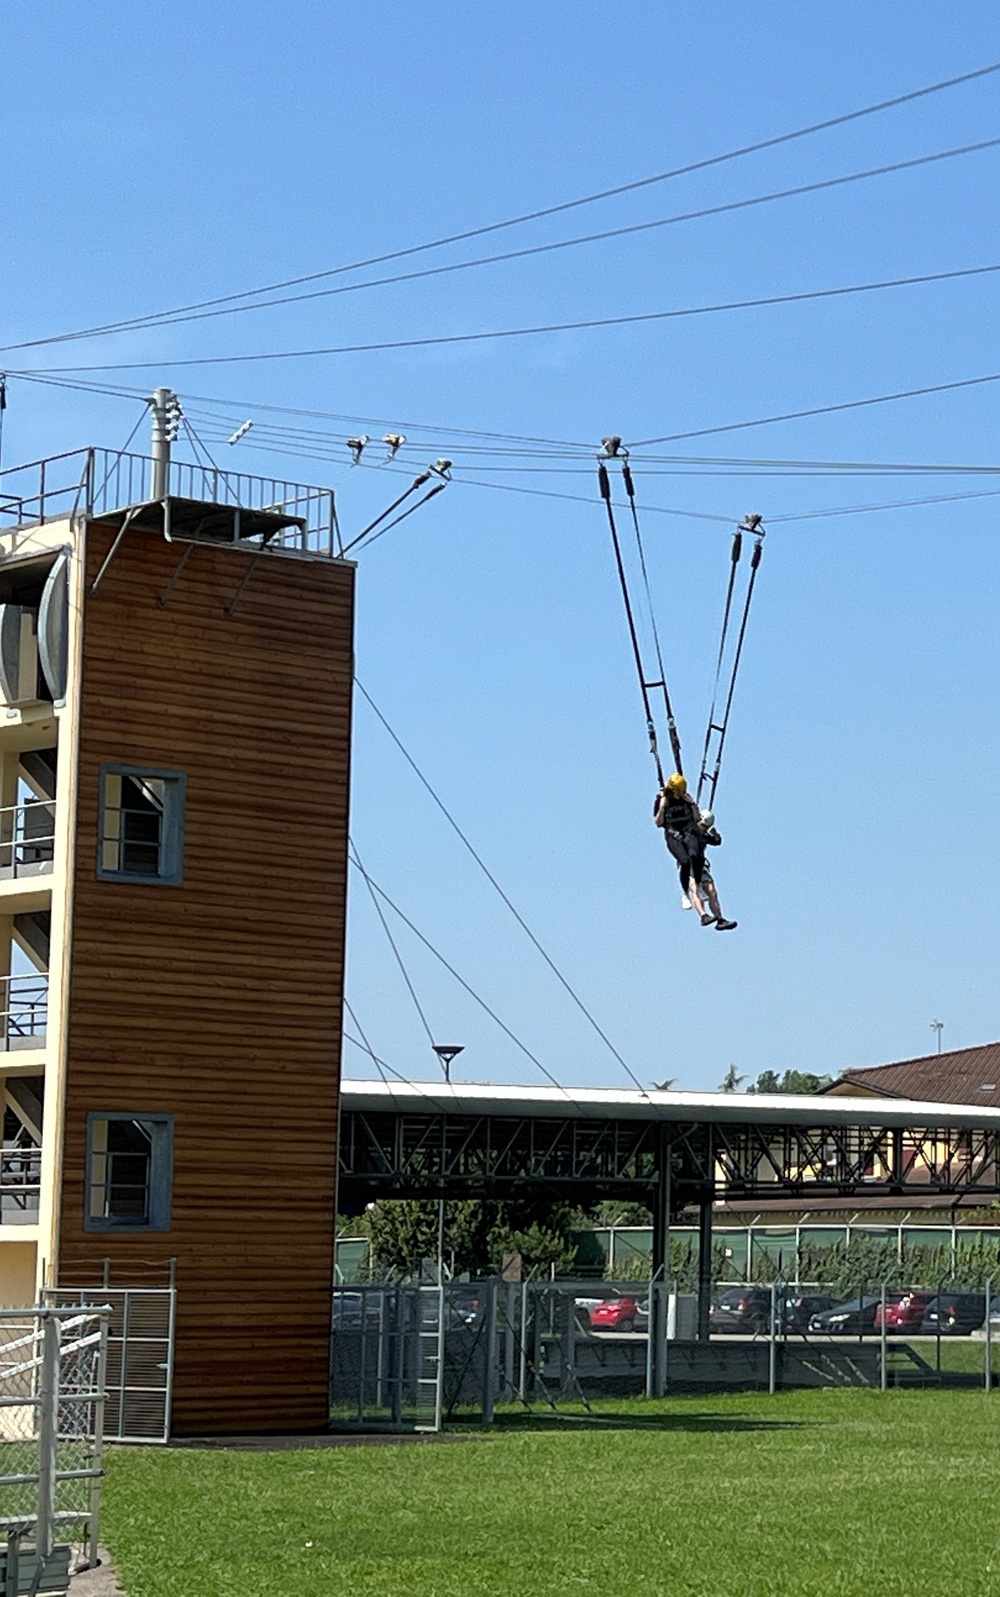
{"x": 96, "y": 482}
{"x": 20, "y": 1184}
{"x": 27, "y": 838}
{"x": 24, "y": 1010}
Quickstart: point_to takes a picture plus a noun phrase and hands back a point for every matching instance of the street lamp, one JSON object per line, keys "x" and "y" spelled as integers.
{"x": 446, "y": 1052}
{"x": 936, "y": 1025}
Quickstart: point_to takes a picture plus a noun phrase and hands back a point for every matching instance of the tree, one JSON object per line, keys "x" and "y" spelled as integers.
{"x": 795, "y": 1081}
{"x": 732, "y": 1080}
{"x": 477, "y": 1234}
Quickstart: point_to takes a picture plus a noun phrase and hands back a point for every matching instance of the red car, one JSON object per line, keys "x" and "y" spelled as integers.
{"x": 904, "y": 1311}
{"x": 619, "y": 1314}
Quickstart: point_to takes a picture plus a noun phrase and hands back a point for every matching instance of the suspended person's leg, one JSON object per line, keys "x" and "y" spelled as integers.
{"x": 678, "y": 847}
{"x": 710, "y": 892}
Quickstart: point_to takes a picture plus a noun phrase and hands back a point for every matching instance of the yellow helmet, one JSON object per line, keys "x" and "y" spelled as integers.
{"x": 676, "y": 783}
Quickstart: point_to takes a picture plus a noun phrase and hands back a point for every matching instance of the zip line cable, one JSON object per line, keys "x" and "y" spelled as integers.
{"x": 116, "y": 391}
{"x": 411, "y": 762}
{"x": 527, "y": 332}
{"x": 724, "y": 208}
{"x": 355, "y": 856}
{"x": 704, "y": 164}
{"x": 460, "y": 979}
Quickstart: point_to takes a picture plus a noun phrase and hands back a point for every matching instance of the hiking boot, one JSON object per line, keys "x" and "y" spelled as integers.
{"x": 724, "y": 925}
{"x": 707, "y": 919}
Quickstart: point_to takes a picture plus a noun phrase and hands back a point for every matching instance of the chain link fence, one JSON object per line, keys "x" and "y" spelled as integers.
{"x": 412, "y": 1356}
{"x": 52, "y": 1375}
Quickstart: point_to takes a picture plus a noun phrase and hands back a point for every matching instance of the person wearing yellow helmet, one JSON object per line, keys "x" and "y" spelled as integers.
{"x": 686, "y": 836}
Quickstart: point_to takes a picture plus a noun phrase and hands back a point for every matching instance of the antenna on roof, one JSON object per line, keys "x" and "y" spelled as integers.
{"x": 938, "y": 1026}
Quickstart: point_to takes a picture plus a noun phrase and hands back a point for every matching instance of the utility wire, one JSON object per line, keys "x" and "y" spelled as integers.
{"x": 723, "y": 208}
{"x": 411, "y": 762}
{"x": 392, "y": 942}
{"x": 115, "y": 391}
{"x": 818, "y": 410}
{"x": 702, "y": 165}
{"x": 526, "y": 332}
{"x": 460, "y": 979}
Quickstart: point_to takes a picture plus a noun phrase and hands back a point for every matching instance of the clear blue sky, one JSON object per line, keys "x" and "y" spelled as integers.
{"x": 157, "y": 156}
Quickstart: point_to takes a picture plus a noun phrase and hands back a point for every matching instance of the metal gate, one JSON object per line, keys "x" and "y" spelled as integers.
{"x": 140, "y": 1360}
{"x": 52, "y": 1364}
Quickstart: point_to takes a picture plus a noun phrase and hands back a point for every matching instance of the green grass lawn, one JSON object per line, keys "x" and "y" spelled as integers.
{"x": 808, "y": 1494}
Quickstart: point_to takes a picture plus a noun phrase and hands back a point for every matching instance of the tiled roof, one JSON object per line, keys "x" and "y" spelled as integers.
{"x": 965, "y": 1075}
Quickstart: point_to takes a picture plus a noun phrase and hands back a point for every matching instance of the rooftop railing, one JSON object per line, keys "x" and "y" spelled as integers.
{"x": 96, "y": 482}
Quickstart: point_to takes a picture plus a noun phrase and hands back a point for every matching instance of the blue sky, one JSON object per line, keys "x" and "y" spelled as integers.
{"x": 156, "y": 158}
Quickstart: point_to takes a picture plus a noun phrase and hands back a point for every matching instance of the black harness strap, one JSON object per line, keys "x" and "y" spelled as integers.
{"x": 737, "y": 551}
{"x": 675, "y": 742}
{"x": 604, "y": 485}
{"x": 751, "y": 524}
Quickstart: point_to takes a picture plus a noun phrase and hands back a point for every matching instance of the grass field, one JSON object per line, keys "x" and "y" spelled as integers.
{"x": 809, "y": 1494}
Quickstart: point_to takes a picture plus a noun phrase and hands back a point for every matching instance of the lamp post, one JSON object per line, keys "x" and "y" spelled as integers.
{"x": 446, "y": 1053}
{"x": 938, "y": 1026}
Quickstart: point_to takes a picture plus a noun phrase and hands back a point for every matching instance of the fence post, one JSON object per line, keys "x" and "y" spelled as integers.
{"x": 490, "y": 1382}
{"x": 988, "y": 1350}
{"x": 98, "y": 1422}
{"x": 772, "y": 1351}
{"x": 48, "y": 1433}
{"x": 883, "y": 1346}
{"x": 522, "y": 1373}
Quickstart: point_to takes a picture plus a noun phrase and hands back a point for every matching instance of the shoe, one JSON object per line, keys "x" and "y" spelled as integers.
{"x": 725, "y": 925}
{"x": 709, "y": 920}
{"x": 686, "y": 902}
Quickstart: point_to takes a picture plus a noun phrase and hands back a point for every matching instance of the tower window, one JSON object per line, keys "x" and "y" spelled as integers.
{"x": 129, "y": 1172}
{"x": 142, "y": 825}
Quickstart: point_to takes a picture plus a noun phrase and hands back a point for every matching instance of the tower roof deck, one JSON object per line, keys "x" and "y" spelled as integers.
{"x": 202, "y": 503}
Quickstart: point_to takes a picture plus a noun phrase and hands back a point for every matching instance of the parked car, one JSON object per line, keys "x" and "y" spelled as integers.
{"x": 464, "y": 1310}
{"x": 620, "y": 1314}
{"x": 798, "y": 1311}
{"x": 954, "y": 1314}
{"x": 846, "y": 1319}
{"x": 903, "y": 1311}
{"x": 741, "y": 1309}
{"x": 352, "y": 1309}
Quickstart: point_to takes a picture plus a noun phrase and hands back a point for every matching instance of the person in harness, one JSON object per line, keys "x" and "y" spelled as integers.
{"x": 686, "y": 837}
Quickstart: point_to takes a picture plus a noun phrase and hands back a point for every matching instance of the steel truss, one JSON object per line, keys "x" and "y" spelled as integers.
{"x": 401, "y": 1153}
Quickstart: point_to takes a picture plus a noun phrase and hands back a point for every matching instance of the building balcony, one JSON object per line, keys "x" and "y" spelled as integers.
{"x": 24, "y": 1011}
{"x": 27, "y": 839}
{"x": 20, "y": 1185}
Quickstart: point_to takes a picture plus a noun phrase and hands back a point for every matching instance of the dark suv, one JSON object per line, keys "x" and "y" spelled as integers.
{"x": 742, "y": 1308}
{"x": 954, "y": 1314}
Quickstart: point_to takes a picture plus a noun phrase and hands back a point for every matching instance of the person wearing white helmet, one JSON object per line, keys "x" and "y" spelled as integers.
{"x": 708, "y": 887}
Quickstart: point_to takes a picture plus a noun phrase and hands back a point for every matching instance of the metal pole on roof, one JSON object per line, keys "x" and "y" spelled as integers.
{"x": 166, "y": 412}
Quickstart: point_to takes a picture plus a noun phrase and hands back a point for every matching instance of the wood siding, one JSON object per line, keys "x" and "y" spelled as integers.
{"x": 219, "y": 1001}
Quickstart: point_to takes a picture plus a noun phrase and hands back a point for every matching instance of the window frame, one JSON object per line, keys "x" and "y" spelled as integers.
{"x": 161, "y": 1172}
{"x": 171, "y": 847}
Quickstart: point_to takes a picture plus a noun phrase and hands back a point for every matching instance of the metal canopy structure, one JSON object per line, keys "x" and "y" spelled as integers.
{"x": 412, "y": 1139}
{"x": 668, "y": 1150}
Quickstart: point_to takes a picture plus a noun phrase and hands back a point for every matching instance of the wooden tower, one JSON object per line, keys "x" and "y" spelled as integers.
{"x": 175, "y": 717}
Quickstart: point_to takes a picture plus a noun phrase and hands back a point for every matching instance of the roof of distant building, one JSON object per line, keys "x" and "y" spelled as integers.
{"x": 963, "y": 1075}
